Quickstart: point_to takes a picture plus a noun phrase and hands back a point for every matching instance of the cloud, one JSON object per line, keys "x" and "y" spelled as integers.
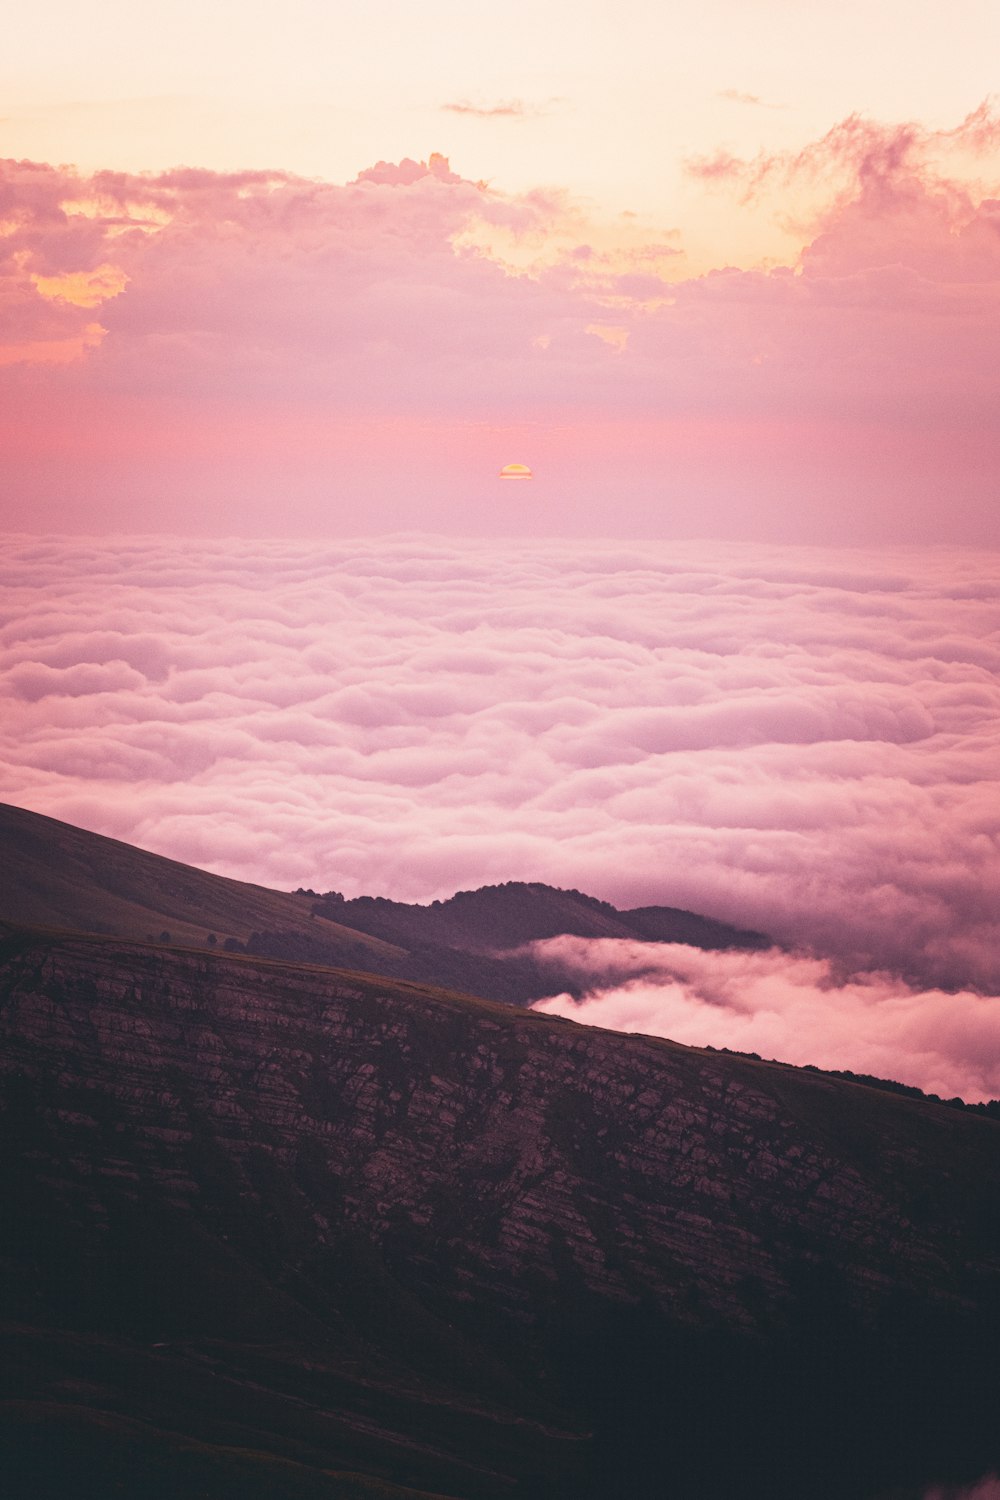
{"x": 863, "y": 156}
{"x": 406, "y": 172}
{"x": 720, "y": 166}
{"x": 797, "y": 1008}
{"x": 803, "y": 741}
{"x": 737, "y": 96}
{"x": 507, "y": 109}
{"x": 266, "y": 281}
{"x": 223, "y": 343}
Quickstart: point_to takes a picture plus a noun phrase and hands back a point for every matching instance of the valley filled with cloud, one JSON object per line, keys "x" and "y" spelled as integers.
{"x": 800, "y": 741}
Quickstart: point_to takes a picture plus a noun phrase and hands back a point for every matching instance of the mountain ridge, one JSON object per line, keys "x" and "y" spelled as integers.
{"x": 63, "y": 876}
{"x": 516, "y": 912}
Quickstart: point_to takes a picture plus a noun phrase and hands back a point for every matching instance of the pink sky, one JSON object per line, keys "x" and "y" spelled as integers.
{"x": 280, "y": 295}
{"x": 259, "y": 353}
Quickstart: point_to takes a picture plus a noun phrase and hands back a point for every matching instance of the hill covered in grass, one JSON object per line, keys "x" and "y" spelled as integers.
{"x": 57, "y": 875}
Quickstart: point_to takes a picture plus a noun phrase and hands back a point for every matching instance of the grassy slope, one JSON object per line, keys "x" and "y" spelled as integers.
{"x": 61, "y": 876}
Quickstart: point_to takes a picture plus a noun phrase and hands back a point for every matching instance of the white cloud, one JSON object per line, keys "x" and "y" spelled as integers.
{"x": 797, "y": 740}
{"x": 791, "y": 1006}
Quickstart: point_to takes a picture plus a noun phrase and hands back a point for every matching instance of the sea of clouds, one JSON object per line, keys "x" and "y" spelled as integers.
{"x": 803, "y": 741}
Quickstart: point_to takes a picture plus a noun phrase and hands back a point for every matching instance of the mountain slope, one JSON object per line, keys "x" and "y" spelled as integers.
{"x": 357, "y": 1226}
{"x": 57, "y": 875}
{"x": 61, "y": 876}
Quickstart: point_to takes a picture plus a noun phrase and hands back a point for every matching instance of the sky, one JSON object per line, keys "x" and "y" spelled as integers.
{"x": 322, "y": 270}
{"x": 282, "y": 288}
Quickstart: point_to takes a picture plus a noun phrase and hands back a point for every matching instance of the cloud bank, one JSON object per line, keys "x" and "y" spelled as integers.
{"x": 798, "y": 740}
{"x": 793, "y": 1007}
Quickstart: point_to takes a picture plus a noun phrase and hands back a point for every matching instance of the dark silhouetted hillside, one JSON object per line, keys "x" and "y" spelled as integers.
{"x": 508, "y": 916}
{"x": 273, "y": 1230}
{"x": 64, "y": 877}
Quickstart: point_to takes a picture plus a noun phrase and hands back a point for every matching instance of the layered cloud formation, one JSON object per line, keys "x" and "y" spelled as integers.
{"x": 796, "y": 740}
{"x": 794, "y": 1007}
{"x": 253, "y": 350}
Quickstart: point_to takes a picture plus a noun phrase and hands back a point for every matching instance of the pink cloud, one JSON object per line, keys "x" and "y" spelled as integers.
{"x": 510, "y": 109}
{"x": 872, "y": 159}
{"x": 739, "y": 96}
{"x": 793, "y": 1007}
{"x": 244, "y": 335}
{"x": 407, "y": 172}
{"x": 720, "y": 166}
{"x": 803, "y": 741}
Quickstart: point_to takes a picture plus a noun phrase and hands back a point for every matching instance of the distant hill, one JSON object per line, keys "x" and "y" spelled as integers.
{"x": 64, "y": 877}
{"x": 507, "y": 916}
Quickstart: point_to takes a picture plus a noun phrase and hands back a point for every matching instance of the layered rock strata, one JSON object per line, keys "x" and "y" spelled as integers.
{"x": 489, "y": 1233}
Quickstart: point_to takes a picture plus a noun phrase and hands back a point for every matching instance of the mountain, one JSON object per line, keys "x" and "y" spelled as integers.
{"x": 61, "y": 876}
{"x": 57, "y": 875}
{"x": 284, "y": 1218}
{"x": 280, "y": 1230}
{"x": 510, "y": 915}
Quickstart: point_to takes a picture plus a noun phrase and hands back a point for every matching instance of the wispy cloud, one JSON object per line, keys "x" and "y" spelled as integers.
{"x": 738, "y": 96}
{"x": 720, "y": 166}
{"x": 859, "y": 154}
{"x": 506, "y": 109}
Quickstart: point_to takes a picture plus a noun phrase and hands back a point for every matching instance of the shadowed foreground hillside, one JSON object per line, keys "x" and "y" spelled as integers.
{"x": 275, "y": 1230}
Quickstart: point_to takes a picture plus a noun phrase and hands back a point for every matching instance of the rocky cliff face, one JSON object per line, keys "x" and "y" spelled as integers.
{"x": 478, "y": 1251}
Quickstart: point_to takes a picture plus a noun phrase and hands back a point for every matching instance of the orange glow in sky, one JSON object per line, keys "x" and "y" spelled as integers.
{"x": 775, "y": 224}
{"x": 82, "y": 288}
